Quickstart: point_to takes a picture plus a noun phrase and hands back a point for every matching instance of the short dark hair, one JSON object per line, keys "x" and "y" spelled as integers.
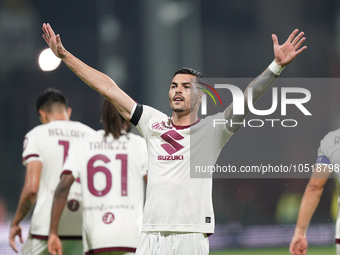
{"x": 187, "y": 70}
{"x": 49, "y": 97}
{"x": 113, "y": 122}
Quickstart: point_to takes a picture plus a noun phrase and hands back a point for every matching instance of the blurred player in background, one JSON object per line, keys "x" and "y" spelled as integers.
{"x": 328, "y": 160}
{"x": 178, "y": 214}
{"x": 45, "y": 150}
{"x": 111, "y": 165}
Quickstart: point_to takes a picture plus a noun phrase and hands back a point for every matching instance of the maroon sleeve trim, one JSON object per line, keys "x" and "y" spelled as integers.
{"x": 108, "y": 249}
{"x": 337, "y": 241}
{"x": 66, "y": 172}
{"x": 61, "y": 237}
{"x": 29, "y": 156}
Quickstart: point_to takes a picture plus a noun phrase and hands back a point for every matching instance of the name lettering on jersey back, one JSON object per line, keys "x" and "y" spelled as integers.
{"x": 103, "y": 145}
{"x": 65, "y": 132}
{"x": 172, "y": 146}
{"x": 336, "y": 140}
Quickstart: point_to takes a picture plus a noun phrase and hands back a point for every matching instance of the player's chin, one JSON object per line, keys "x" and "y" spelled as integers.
{"x": 177, "y": 109}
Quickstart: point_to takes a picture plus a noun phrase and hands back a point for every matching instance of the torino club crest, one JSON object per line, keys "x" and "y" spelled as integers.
{"x": 157, "y": 126}
{"x": 108, "y": 218}
{"x": 73, "y": 205}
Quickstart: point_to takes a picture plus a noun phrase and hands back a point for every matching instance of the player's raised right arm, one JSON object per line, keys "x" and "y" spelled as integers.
{"x": 284, "y": 54}
{"x": 92, "y": 77}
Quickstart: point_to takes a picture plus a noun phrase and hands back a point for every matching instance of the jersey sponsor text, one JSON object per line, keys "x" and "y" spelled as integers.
{"x": 174, "y": 157}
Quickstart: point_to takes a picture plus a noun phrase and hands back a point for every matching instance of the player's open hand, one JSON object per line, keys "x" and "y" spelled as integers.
{"x": 14, "y": 231}
{"x": 54, "y": 245}
{"x": 285, "y": 53}
{"x": 298, "y": 245}
{"x": 53, "y": 41}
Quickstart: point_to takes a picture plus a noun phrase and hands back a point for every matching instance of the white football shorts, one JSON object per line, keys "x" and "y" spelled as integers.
{"x": 172, "y": 243}
{"x": 34, "y": 246}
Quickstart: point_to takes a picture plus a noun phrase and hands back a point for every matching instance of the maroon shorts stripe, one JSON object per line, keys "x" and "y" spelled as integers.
{"x": 108, "y": 249}
{"x": 61, "y": 237}
{"x": 39, "y": 237}
{"x": 29, "y": 156}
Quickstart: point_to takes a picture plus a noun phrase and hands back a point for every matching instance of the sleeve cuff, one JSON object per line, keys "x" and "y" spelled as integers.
{"x": 29, "y": 158}
{"x": 66, "y": 172}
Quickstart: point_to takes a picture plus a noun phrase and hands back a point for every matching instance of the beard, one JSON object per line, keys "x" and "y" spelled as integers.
{"x": 176, "y": 108}
{"x": 179, "y": 109}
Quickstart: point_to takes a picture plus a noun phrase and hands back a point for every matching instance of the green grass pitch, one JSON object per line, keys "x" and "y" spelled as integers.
{"x": 276, "y": 251}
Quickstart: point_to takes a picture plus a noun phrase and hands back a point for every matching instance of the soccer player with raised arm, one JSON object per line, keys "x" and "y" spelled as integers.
{"x": 178, "y": 214}
{"x": 328, "y": 161}
{"x": 112, "y": 166}
{"x": 45, "y": 150}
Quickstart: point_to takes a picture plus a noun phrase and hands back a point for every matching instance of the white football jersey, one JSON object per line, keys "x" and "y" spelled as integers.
{"x": 329, "y": 154}
{"x": 174, "y": 201}
{"x": 49, "y": 143}
{"x": 111, "y": 173}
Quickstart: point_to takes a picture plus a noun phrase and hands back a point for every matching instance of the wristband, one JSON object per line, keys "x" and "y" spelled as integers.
{"x": 275, "y": 68}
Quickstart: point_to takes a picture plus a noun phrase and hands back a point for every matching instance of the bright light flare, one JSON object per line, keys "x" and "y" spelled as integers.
{"x": 48, "y": 61}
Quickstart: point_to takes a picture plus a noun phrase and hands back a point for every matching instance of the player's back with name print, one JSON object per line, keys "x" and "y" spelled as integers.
{"x": 111, "y": 174}
{"x": 50, "y": 143}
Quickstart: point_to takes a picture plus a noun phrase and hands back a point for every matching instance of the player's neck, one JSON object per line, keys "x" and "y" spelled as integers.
{"x": 183, "y": 119}
{"x": 58, "y": 116}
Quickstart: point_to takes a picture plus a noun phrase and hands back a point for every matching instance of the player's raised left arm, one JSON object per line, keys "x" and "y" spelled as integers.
{"x": 59, "y": 201}
{"x": 284, "y": 54}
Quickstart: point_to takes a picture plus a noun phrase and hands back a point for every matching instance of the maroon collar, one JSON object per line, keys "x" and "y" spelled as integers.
{"x": 184, "y": 127}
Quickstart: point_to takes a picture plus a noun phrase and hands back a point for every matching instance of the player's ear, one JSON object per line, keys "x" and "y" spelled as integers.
{"x": 69, "y": 112}
{"x": 199, "y": 99}
{"x": 43, "y": 116}
{"x": 200, "y": 95}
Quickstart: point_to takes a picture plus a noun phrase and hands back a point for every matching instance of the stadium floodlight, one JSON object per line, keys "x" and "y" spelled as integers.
{"x": 48, "y": 61}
